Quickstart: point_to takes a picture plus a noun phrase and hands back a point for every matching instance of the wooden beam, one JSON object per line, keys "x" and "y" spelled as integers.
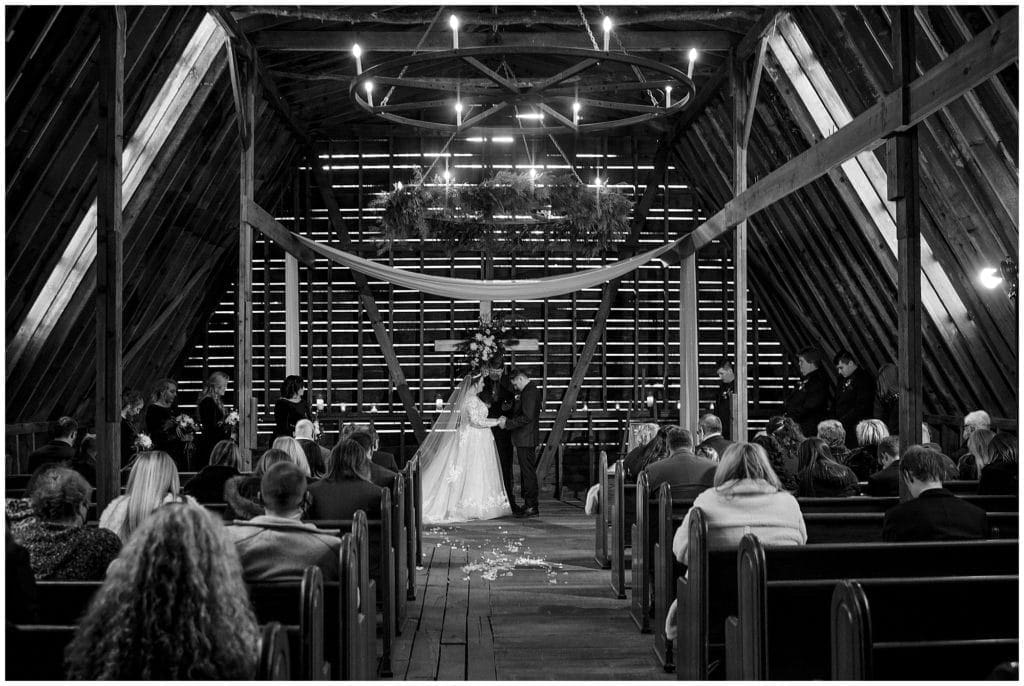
{"x": 264, "y": 222}
{"x": 748, "y": 116}
{"x": 292, "y": 343}
{"x": 742, "y": 117}
{"x": 243, "y": 321}
{"x": 990, "y": 52}
{"x": 689, "y": 373}
{"x": 904, "y": 188}
{"x": 109, "y": 258}
{"x": 441, "y": 41}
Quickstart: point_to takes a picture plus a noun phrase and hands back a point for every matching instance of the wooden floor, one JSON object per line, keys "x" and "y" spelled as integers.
{"x": 519, "y": 599}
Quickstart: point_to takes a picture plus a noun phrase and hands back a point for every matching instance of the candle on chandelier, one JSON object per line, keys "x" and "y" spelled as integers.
{"x": 454, "y": 23}
{"x": 693, "y": 58}
{"x": 607, "y": 31}
{"x": 357, "y": 52}
{"x": 668, "y": 97}
{"x": 369, "y": 92}
{"x": 575, "y": 114}
{"x": 458, "y": 113}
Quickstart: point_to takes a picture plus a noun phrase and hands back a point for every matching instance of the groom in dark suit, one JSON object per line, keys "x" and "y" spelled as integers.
{"x": 500, "y": 396}
{"x": 525, "y": 428}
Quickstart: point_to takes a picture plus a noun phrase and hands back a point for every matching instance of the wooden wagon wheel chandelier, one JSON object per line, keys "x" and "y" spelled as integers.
{"x": 520, "y": 90}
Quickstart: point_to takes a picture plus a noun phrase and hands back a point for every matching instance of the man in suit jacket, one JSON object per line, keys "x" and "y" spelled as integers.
{"x": 808, "y": 404}
{"x": 712, "y": 442}
{"x": 499, "y": 394}
{"x": 721, "y": 406}
{"x": 525, "y": 428}
{"x": 681, "y": 467}
{"x": 934, "y": 514}
{"x": 855, "y": 396}
{"x": 886, "y": 481}
{"x": 59, "y": 450}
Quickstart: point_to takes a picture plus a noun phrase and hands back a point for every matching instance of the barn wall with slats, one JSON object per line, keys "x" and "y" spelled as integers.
{"x": 340, "y": 355}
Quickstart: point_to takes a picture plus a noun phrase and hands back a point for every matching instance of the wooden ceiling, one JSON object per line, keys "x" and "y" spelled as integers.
{"x": 818, "y": 262}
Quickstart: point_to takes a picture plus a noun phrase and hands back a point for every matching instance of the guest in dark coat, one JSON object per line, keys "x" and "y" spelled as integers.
{"x": 60, "y": 450}
{"x": 85, "y": 459}
{"x": 886, "y": 481}
{"x": 377, "y": 456}
{"x": 212, "y": 414}
{"x": 208, "y": 485}
{"x": 682, "y": 469}
{"x": 642, "y": 456}
{"x": 160, "y": 424}
{"x": 347, "y": 486}
{"x": 290, "y": 407}
{"x": 820, "y": 476}
{"x": 721, "y": 406}
{"x": 131, "y": 407}
{"x": 809, "y": 403}
{"x": 934, "y": 514}
{"x": 974, "y": 460}
{"x": 887, "y": 397}
{"x": 242, "y": 492}
{"x": 59, "y": 544}
{"x": 855, "y": 395}
{"x": 379, "y": 476}
{"x": 999, "y": 476}
{"x": 712, "y": 442}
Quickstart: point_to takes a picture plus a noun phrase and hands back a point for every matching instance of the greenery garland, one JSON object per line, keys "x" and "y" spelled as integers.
{"x": 506, "y": 213}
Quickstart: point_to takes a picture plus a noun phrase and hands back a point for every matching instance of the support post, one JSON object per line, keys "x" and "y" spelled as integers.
{"x": 109, "y": 258}
{"x": 904, "y": 186}
{"x": 689, "y": 377}
{"x": 246, "y": 107}
{"x": 742, "y": 119}
{"x": 291, "y": 314}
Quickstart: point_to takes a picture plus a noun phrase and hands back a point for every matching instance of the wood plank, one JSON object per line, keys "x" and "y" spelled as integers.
{"x": 109, "y": 258}
{"x": 689, "y": 370}
{"x": 243, "y": 319}
{"x": 451, "y": 662}
{"x": 453, "y": 630}
{"x": 423, "y": 659}
{"x": 265, "y": 223}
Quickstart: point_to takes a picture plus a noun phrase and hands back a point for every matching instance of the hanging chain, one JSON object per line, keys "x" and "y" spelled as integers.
{"x": 586, "y": 25}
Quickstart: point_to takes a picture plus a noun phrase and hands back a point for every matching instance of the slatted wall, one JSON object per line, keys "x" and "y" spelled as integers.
{"x": 638, "y": 353}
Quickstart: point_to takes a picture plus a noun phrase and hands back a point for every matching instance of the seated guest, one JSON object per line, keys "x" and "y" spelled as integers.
{"x": 820, "y": 476}
{"x": 131, "y": 407}
{"x": 378, "y": 457}
{"x": 316, "y": 454}
{"x": 152, "y": 482}
{"x": 787, "y": 432}
{"x": 974, "y": 460}
{"x": 347, "y": 486}
{"x": 242, "y": 492}
{"x": 865, "y": 460}
{"x": 60, "y": 450}
{"x": 776, "y": 457}
{"x": 934, "y": 514}
{"x": 385, "y": 478}
{"x": 712, "y": 442}
{"x": 85, "y": 459}
{"x": 277, "y": 545}
{"x": 296, "y": 454}
{"x": 979, "y": 419}
{"x": 681, "y": 468}
{"x": 886, "y": 481}
{"x": 21, "y": 597}
{"x": 832, "y": 432}
{"x": 647, "y": 453}
{"x": 59, "y": 544}
{"x": 173, "y": 607}
{"x": 208, "y": 485}
{"x": 999, "y": 476}
{"x": 20, "y": 509}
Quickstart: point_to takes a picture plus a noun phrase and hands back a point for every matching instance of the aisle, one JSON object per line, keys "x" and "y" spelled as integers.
{"x": 532, "y": 605}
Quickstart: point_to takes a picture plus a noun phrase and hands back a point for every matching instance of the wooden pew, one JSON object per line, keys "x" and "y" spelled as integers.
{"x": 298, "y": 605}
{"x": 857, "y": 527}
{"x": 418, "y": 495}
{"x": 640, "y": 581}
{"x": 952, "y": 628}
{"x": 623, "y": 514}
{"x": 356, "y": 635}
{"x": 603, "y": 521}
{"x": 781, "y": 628}
{"x": 368, "y": 593}
{"x": 274, "y": 664}
{"x": 864, "y": 503}
{"x": 412, "y": 532}
{"x": 400, "y": 550}
{"x": 20, "y": 440}
{"x": 64, "y": 602}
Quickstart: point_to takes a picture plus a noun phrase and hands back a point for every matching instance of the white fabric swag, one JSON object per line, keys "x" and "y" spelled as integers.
{"x": 487, "y": 289}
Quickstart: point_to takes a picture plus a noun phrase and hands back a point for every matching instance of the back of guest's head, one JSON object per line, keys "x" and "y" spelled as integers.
{"x": 787, "y": 432}
{"x": 87, "y": 448}
{"x": 304, "y": 429}
{"x": 889, "y": 447}
{"x": 130, "y": 397}
{"x": 269, "y": 458}
{"x": 832, "y": 432}
{"x": 745, "y": 461}
{"x": 213, "y": 384}
{"x": 66, "y": 427}
{"x": 162, "y": 386}
{"x": 295, "y": 453}
{"x": 977, "y": 444}
{"x": 225, "y": 454}
{"x": 979, "y": 419}
{"x": 870, "y": 432}
{"x": 844, "y": 356}
{"x": 348, "y": 461}
{"x": 1002, "y": 448}
{"x": 153, "y": 476}
{"x": 656, "y": 448}
{"x": 710, "y": 424}
{"x": 923, "y": 464}
{"x": 888, "y": 380}
{"x": 362, "y": 438}
{"x": 292, "y": 385}
{"x": 811, "y": 356}
{"x": 173, "y": 607}
{"x": 811, "y": 452}
{"x": 37, "y": 476}
{"x": 282, "y": 487}
{"x": 678, "y": 439}
{"x": 352, "y": 428}
{"x": 518, "y": 371}
{"x": 59, "y": 494}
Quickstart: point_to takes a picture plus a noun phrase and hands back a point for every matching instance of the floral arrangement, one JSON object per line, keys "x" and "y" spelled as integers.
{"x": 487, "y": 339}
{"x": 508, "y": 212}
{"x": 232, "y": 418}
{"x": 143, "y": 442}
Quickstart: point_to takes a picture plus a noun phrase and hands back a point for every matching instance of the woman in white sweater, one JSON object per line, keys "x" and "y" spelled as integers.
{"x": 747, "y": 498}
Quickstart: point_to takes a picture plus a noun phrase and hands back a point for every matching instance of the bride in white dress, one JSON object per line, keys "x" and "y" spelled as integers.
{"x": 459, "y": 462}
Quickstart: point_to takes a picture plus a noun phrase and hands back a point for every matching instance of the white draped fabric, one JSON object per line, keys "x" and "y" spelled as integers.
{"x": 484, "y": 289}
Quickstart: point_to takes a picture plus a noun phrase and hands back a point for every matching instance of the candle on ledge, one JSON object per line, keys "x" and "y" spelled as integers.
{"x": 344, "y": 408}
{"x": 693, "y": 58}
{"x": 439, "y": 405}
{"x": 319, "y": 404}
{"x": 373, "y": 408}
{"x": 454, "y": 23}
{"x": 357, "y": 52}
{"x": 679, "y": 405}
{"x": 607, "y": 31}
{"x": 650, "y": 400}
{"x": 586, "y": 408}
{"x": 617, "y": 407}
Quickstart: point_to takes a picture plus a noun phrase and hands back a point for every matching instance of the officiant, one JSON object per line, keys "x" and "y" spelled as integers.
{"x": 499, "y": 395}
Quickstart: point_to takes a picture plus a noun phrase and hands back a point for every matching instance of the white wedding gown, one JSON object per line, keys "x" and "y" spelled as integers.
{"x": 462, "y": 481}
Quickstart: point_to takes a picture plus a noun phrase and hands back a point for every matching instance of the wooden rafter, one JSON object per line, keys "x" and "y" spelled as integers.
{"x": 264, "y": 222}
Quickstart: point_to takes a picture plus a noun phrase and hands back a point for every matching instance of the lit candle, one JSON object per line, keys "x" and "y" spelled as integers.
{"x": 586, "y": 408}
{"x": 319, "y": 404}
{"x": 454, "y": 23}
{"x": 597, "y": 193}
{"x": 458, "y": 113}
{"x": 344, "y": 408}
{"x": 693, "y": 58}
{"x": 373, "y": 408}
{"x": 650, "y": 400}
{"x": 575, "y": 114}
{"x": 679, "y": 405}
{"x": 438, "y": 404}
{"x": 369, "y": 92}
{"x": 607, "y": 32}
{"x": 357, "y": 52}
{"x": 617, "y": 407}
{"x": 668, "y": 97}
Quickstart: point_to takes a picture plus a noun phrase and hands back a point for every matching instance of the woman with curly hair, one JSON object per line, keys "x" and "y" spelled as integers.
{"x": 647, "y": 453}
{"x": 821, "y": 476}
{"x": 776, "y": 458}
{"x": 152, "y": 482}
{"x": 173, "y": 607}
{"x": 789, "y": 435}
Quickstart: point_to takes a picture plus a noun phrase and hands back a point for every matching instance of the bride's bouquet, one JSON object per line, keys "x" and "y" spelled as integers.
{"x": 143, "y": 442}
